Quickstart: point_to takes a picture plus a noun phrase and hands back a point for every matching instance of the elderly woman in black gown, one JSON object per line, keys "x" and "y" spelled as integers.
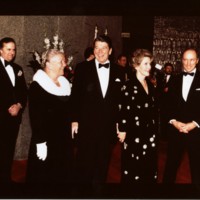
{"x": 138, "y": 123}
{"x": 50, "y": 156}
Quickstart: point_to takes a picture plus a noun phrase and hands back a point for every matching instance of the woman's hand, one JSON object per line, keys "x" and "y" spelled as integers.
{"x": 121, "y": 136}
{"x": 74, "y": 127}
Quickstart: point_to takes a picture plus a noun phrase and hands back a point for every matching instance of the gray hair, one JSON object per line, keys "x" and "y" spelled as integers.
{"x": 47, "y": 55}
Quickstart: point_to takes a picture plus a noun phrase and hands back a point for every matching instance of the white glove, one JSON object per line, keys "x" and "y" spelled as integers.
{"x": 41, "y": 151}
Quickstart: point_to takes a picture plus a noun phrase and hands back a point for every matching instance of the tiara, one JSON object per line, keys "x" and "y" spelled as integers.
{"x": 39, "y": 59}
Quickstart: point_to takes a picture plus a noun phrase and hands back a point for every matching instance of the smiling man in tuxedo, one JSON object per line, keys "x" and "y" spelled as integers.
{"x": 95, "y": 98}
{"x": 13, "y": 97}
{"x": 184, "y": 117}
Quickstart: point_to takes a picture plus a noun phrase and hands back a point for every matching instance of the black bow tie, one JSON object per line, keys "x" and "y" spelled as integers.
{"x": 104, "y": 65}
{"x": 7, "y": 63}
{"x": 188, "y": 73}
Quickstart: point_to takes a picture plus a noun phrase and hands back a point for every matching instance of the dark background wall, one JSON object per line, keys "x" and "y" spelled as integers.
{"x": 172, "y": 35}
{"x": 141, "y": 32}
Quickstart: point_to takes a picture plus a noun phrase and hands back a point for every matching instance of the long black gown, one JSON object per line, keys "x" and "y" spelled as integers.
{"x": 139, "y": 119}
{"x": 50, "y": 124}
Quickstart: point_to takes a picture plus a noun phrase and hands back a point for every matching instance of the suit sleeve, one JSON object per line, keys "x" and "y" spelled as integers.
{"x": 24, "y": 93}
{"x": 21, "y": 88}
{"x": 76, "y": 94}
{"x": 172, "y": 105}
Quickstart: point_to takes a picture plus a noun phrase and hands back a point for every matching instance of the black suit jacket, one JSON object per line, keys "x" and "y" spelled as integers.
{"x": 181, "y": 110}
{"x": 10, "y": 94}
{"x": 162, "y": 89}
{"x": 97, "y": 116}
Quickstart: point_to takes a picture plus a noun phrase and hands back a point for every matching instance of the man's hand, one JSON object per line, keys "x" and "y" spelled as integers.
{"x": 188, "y": 127}
{"x": 184, "y": 127}
{"x": 14, "y": 109}
{"x": 74, "y": 127}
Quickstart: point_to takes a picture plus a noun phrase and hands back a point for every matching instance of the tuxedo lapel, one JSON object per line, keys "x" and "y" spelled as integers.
{"x": 110, "y": 82}
{"x": 96, "y": 80}
{"x": 17, "y": 73}
{"x": 169, "y": 81}
{"x": 179, "y": 85}
{"x": 4, "y": 76}
{"x": 194, "y": 85}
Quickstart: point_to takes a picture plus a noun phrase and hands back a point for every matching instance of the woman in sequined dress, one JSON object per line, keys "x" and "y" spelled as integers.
{"x": 138, "y": 127}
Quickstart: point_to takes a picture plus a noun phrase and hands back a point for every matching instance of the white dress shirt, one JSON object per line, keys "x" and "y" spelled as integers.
{"x": 10, "y": 71}
{"x": 103, "y": 74}
{"x": 187, "y": 82}
{"x": 167, "y": 77}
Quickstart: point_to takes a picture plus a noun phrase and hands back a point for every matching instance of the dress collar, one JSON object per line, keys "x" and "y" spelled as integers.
{"x": 47, "y": 84}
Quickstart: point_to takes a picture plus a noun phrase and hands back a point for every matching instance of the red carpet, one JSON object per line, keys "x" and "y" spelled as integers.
{"x": 183, "y": 175}
{"x": 113, "y": 189}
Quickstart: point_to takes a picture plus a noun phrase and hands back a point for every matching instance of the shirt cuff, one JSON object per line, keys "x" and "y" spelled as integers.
{"x": 171, "y": 121}
{"x": 196, "y": 124}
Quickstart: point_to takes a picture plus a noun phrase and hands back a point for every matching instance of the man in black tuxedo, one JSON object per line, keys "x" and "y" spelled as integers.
{"x": 122, "y": 61}
{"x": 13, "y": 97}
{"x": 95, "y": 98}
{"x": 184, "y": 117}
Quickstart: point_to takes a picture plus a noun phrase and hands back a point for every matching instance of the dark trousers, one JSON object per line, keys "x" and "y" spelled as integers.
{"x": 178, "y": 143}
{"x": 92, "y": 161}
{"x": 8, "y": 136}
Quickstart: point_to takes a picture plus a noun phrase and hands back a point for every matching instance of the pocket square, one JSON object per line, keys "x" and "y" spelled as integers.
{"x": 198, "y": 89}
{"x": 19, "y": 73}
{"x": 117, "y": 80}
